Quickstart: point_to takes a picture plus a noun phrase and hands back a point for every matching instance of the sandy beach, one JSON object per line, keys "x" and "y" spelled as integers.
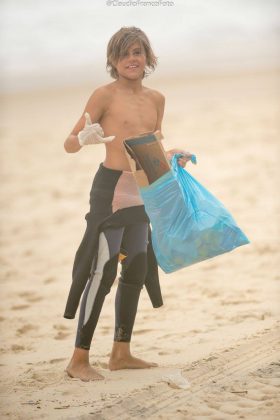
{"x": 219, "y": 326}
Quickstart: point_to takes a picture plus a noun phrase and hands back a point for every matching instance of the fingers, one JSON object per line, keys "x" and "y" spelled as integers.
{"x": 98, "y": 129}
{"x": 182, "y": 162}
{"x": 190, "y": 157}
{"x": 88, "y": 119}
{"x": 186, "y": 157}
{"x": 182, "y": 159}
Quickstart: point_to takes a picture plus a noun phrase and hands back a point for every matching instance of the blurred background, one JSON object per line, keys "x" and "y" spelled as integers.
{"x": 54, "y": 43}
{"x": 219, "y": 71}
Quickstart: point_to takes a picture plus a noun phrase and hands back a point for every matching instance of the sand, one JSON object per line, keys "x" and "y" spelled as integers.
{"x": 219, "y": 325}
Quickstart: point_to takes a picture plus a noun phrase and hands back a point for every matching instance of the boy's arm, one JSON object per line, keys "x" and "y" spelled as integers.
{"x": 160, "y": 110}
{"x": 95, "y": 107}
{"x": 169, "y": 153}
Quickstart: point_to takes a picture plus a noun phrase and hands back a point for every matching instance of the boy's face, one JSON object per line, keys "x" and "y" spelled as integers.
{"x": 132, "y": 64}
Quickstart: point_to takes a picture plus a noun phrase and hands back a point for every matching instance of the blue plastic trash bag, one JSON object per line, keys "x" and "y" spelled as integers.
{"x": 188, "y": 223}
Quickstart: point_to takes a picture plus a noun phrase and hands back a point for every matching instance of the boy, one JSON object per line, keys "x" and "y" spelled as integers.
{"x": 117, "y": 222}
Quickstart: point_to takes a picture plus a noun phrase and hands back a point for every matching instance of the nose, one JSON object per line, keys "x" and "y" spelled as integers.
{"x": 131, "y": 56}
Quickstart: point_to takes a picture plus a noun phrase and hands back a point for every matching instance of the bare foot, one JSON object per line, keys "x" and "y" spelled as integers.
{"x": 79, "y": 367}
{"x": 129, "y": 362}
{"x": 84, "y": 372}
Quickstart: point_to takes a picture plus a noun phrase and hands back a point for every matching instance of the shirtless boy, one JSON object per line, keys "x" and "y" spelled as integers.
{"x": 117, "y": 219}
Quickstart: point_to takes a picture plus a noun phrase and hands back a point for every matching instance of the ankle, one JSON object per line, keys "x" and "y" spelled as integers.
{"x": 80, "y": 356}
{"x": 120, "y": 350}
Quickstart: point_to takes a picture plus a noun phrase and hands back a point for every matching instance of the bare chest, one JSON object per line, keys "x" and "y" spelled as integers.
{"x": 132, "y": 113}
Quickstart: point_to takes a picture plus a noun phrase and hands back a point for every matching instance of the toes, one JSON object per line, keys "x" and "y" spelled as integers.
{"x": 85, "y": 376}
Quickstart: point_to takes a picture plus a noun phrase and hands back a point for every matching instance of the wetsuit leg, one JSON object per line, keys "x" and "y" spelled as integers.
{"x": 99, "y": 284}
{"x": 134, "y": 268}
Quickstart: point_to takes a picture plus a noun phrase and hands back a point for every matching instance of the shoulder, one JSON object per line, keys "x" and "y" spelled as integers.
{"x": 157, "y": 96}
{"x": 102, "y": 93}
{"x": 99, "y": 102}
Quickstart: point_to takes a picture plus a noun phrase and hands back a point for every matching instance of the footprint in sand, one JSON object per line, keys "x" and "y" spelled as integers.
{"x": 40, "y": 378}
{"x": 98, "y": 364}
{"x": 28, "y": 253}
{"x": 266, "y": 249}
{"x": 20, "y": 307}
{"x": 210, "y": 266}
{"x": 171, "y": 335}
{"x": 251, "y": 291}
{"x": 61, "y": 335}
{"x": 11, "y": 274}
{"x": 165, "y": 353}
{"x": 210, "y": 293}
{"x": 34, "y": 299}
{"x": 248, "y": 315}
{"x": 62, "y": 331}
{"x": 196, "y": 331}
{"x": 16, "y": 348}
{"x": 58, "y": 360}
{"x": 56, "y": 194}
{"x": 49, "y": 280}
{"x": 146, "y": 317}
{"x": 154, "y": 348}
{"x": 143, "y": 331}
{"x": 26, "y": 328}
{"x": 238, "y": 301}
{"x": 30, "y": 296}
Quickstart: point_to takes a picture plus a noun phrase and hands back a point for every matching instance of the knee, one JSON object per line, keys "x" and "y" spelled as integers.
{"x": 134, "y": 272}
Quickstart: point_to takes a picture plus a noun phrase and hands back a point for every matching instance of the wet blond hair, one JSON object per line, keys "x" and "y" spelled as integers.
{"x": 119, "y": 44}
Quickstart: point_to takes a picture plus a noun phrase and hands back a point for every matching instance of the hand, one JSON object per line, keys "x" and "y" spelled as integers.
{"x": 186, "y": 156}
{"x": 92, "y": 133}
{"x": 183, "y": 159}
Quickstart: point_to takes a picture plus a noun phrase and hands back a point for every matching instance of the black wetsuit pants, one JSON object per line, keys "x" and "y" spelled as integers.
{"x": 133, "y": 240}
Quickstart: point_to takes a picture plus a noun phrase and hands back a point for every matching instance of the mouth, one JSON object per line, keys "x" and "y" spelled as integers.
{"x": 132, "y": 66}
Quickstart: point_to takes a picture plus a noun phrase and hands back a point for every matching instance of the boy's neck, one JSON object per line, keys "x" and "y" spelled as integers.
{"x": 131, "y": 85}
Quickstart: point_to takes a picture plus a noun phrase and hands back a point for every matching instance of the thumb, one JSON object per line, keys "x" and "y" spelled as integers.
{"x": 108, "y": 139}
{"x": 88, "y": 119}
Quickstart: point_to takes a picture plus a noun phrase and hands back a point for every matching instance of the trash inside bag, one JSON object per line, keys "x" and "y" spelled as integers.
{"x": 189, "y": 224}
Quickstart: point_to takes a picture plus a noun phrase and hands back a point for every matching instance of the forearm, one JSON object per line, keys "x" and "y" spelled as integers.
{"x": 71, "y": 144}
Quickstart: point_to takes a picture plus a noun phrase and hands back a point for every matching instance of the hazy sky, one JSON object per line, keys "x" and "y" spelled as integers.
{"x": 54, "y": 40}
